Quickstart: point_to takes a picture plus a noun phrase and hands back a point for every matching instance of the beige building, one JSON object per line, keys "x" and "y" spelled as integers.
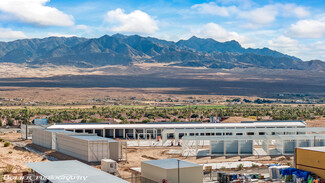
{"x": 171, "y": 171}
{"x": 86, "y": 147}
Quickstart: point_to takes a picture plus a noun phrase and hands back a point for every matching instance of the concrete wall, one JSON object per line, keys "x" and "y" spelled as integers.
{"x": 319, "y": 142}
{"x": 231, "y": 147}
{"x": 217, "y": 147}
{"x": 289, "y": 146}
{"x": 246, "y": 147}
{"x": 115, "y": 151}
{"x": 305, "y": 143}
{"x": 265, "y": 146}
{"x": 309, "y": 160}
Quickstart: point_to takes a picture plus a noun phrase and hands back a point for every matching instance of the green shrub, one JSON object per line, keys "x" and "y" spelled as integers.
{"x": 6, "y": 144}
{"x": 10, "y": 152}
{"x": 240, "y": 167}
{"x": 146, "y": 121}
{"x": 8, "y": 168}
{"x": 289, "y": 163}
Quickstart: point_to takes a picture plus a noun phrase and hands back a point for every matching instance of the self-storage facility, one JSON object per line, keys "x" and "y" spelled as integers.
{"x": 311, "y": 159}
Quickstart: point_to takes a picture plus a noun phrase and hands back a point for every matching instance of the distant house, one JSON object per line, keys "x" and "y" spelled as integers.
{"x": 40, "y": 121}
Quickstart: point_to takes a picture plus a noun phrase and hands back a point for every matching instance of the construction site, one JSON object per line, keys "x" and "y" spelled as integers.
{"x": 245, "y": 148}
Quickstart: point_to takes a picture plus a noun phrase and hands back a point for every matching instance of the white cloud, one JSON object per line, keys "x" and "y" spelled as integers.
{"x": 305, "y": 51}
{"x": 260, "y": 16}
{"x": 215, "y": 31}
{"x": 255, "y": 17}
{"x": 135, "y": 22}
{"x": 6, "y": 33}
{"x": 82, "y": 27}
{"x": 293, "y": 10}
{"x": 307, "y": 29}
{"x": 268, "y": 13}
{"x": 35, "y": 12}
{"x": 319, "y": 45}
{"x": 213, "y": 9}
{"x": 285, "y": 45}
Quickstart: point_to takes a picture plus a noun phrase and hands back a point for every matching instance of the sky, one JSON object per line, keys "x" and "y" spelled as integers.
{"x": 292, "y": 27}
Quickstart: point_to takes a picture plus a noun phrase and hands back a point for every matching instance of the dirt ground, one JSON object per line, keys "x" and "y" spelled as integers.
{"x": 16, "y": 156}
{"x": 237, "y": 120}
{"x": 136, "y": 155}
{"x": 319, "y": 122}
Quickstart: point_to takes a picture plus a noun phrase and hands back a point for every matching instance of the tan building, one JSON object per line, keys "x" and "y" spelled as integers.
{"x": 171, "y": 171}
{"x": 311, "y": 159}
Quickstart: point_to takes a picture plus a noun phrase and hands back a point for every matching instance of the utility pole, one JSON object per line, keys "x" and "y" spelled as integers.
{"x": 26, "y": 132}
{"x": 178, "y": 181}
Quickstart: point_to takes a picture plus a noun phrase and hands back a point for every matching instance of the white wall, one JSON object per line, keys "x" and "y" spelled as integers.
{"x": 43, "y": 138}
{"x": 187, "y": 175}
{"x": 153, "y": 172}
{"x": 90, "y": 151}
{"x": 115, "y": 153}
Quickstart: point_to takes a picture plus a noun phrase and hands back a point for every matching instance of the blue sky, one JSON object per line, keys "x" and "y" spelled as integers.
{"x": 292, "y": 27}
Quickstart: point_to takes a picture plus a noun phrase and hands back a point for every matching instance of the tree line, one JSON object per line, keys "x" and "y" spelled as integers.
{"x": 127, "y": 114}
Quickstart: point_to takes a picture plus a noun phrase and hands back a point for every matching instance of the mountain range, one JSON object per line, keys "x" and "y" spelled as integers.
{"x": 120, "y": 49}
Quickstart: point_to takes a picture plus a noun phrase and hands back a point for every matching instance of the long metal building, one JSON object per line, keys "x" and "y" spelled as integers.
{"x": 135, "y": 131}
{"x": 87, "y": 147}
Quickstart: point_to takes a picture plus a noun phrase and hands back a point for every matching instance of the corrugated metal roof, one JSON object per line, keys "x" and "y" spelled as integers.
{"x": 61, "y": 171}
{"x": 171, "y": 163}
{"x": 59, "y": 131}
{"x": 171, "y": 126}
{"x": 256, "y": 137}
{"x": 92, "y": 138}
